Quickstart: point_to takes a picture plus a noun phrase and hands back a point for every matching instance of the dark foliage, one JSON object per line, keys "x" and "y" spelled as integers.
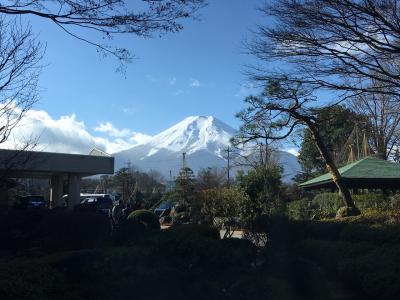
{"x": 146, "y": 217}
{"x": 47, "y": 231}
{"x": 336, "y": 125}
{"x": 60, "y": 231}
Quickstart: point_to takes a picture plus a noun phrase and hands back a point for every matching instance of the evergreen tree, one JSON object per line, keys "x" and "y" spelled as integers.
{"x": 263, "y": 186}
{"x": 336, "y": 125}
{"x": 184, "y": 187}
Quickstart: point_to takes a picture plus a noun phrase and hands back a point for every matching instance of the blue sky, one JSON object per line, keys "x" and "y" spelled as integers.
{"x": 85, "y": 103}
{"x": 198, "y": 71}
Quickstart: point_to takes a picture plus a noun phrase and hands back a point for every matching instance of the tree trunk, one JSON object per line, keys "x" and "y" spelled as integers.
{"x": 331, "y": 166}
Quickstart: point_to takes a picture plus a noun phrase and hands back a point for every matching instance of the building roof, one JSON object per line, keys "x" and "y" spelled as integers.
{"x": 16, "y": 163}
{"x": 369, "y": 172}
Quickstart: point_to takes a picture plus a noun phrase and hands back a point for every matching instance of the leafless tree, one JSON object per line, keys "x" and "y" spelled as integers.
{"x": 253, "y": 153}
{"x": 20, "y": 54}
{"x": 108, "y": 18}
{"x": 340, "y": 45}
{"x": 383, "y": 120}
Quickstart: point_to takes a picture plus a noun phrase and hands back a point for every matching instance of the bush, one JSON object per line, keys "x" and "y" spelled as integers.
{"x": 377, "y": 234}
{"x": 29, "y": 280}
{"x": 299, "y": 209}
{"x": 327, "y": 203}
{"x": 371, "y": 200}
{"x": 376, "y": 272}
{"x": 241, "y": 251}
{"x": 19, "y": 229}
{"x": 199, "y": 246}
{"x": 60, "y": 231}
{"x": 22, "y": 231}
{"x": 190, "y": 230}
{"x": 146, "y": 217}
{"x": 275, "y": 230}
{"x": 328, "y": 254}
{"x": 371, "y": 269}
{"x": 261, "y": 287}
{"x": 395, "y": 201}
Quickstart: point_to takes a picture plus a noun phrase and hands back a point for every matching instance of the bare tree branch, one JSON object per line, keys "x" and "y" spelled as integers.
{"x": 108, "y": 17}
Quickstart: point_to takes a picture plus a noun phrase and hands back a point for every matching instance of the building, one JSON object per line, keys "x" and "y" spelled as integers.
{"x": 57, "y": 167}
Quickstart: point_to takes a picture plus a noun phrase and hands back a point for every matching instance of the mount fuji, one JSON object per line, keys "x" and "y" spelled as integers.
{"x": 203, "y": 139}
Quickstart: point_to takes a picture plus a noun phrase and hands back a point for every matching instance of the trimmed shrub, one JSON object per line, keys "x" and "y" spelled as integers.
{"x": 146, "y": 217}
{"x": 276, "y": 231}
{"x": 60, "y": 231}
{"x": 395, "y": 201}
{"x": 300, "y": 209}
{"x": 376, "y": 272}
{"x": 241, "y": 251}
{"x": 327, "y": 204}
{"x": 19, "y": 229}
{"x": 51, "y": 230}
{"x": 371, "y": 200}
{"x": 329, "y": 253}
{"x": 190, "y": 230}
{"x": 261, "y": 287}
{"x": 377, "y": 234}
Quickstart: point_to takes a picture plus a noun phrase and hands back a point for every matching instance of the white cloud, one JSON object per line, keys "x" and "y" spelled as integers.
{"x": 294, "y": 151}
{"x": 112, "y": 130}
{"x": 139, "y": 138}
{"x": 195, "y": 83}
{"x": 69, "y": 135}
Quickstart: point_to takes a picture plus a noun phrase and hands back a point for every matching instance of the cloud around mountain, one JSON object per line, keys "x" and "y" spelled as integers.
{"x": 70, "y": 135}
{"x": 204, "y": 139}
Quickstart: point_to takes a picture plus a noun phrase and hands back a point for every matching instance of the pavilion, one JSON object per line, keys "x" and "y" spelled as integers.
{"x": 366, "y": 173}
{"x": 58, "y": 167}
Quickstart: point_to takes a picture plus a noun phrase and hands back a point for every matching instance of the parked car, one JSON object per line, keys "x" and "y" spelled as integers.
{"x": 163, "y": 208}
{"x": 101, "y": 205}
{"x": 83, "y": 196}
{"x": 31, "y": 202}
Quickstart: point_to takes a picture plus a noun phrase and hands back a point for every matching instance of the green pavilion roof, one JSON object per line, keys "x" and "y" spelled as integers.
{"x": 369, "y": 172}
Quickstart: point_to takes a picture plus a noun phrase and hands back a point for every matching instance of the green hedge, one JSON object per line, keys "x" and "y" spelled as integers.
{"x": 60, "y": 231}
{"x": 395, "y": 201}
{"x": 52, "y": 230}
{"x": 148, "y": 218}
{"x": 370, "y": 269}
{"x": 325, "y": 205}
{"x": 361, "y": 251}
{"x": 137, "y": 225}
{"x": 300, "y": 209}
{"x": 372, "y": 200}
{"x": 190, "y": 230}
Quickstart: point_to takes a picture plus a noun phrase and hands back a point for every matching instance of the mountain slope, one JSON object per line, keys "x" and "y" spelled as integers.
{"x": 203, "y": 139}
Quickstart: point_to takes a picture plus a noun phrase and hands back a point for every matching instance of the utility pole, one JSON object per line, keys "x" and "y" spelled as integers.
{"x": 170, "y": 180}
{"x": 228, "y": 158}
{"x": 184, "y": 160}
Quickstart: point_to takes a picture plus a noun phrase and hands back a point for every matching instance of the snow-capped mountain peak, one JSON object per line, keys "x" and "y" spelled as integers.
{"x": 192, "y": 134}
{"x": 204, "y": 139}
